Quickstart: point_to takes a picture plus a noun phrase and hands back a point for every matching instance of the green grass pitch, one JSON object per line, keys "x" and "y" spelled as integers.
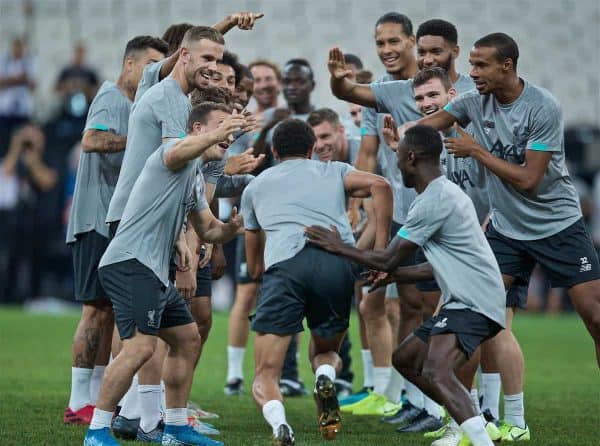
{"x": 562, "y": 387}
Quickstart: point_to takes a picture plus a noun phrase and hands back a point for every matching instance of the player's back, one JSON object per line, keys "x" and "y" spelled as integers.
{"x": 296, "y": 193}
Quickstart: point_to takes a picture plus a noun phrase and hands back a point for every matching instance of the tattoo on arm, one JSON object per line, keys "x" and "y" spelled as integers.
{"x": 103, "y": 142}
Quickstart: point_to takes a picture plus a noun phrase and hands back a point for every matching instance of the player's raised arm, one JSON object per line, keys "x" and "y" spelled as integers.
{"x": 243, "y": 20}
{"x": 440, "y": 120}
{"x": 342, "y": 87}
{"x": 192, "y": 146}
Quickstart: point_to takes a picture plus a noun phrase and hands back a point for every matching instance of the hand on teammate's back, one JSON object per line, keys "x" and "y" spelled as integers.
{"x": 336, "y": 64}
{"x": 328, "y": 239}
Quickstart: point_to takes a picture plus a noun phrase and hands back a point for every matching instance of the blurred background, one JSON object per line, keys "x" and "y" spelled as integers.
{"x": 54, "y": 54}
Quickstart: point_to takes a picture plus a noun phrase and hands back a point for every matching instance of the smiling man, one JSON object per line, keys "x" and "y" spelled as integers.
{"x": 442, "y": 221}
{"x": 267, "y": 84}
{"x": 332, "y": 144}
{"x": 518, "y": 137}
{"x": 135, "y": 273}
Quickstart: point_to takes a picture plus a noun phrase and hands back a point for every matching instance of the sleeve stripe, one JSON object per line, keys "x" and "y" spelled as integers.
{"x": 101, "y": 127}
{"x": 540, "y": 146}
{"x": 402, "y": 232}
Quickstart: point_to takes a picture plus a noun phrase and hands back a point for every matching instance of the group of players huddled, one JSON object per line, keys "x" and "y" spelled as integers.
{"x": 430, "y": 207}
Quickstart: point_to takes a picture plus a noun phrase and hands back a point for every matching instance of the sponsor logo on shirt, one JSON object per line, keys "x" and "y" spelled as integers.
{"x": 514, "y": 152}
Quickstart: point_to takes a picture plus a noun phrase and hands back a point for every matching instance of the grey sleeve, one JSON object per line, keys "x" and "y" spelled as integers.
{"x": 232, "y": 186}
{"x": 201, "y": 202}
{"x": 150, "y": 77}
{"x": 423, "y": 220}
{"x": 368, "y": 126}
{"x": 250, "y": 221}
{"x": 547, "y": 129}
{"x": 103, "y": 114}
{"x": 213, "y": 170}
{"x": 343, "y": 168}
{"x": 388, "y": 94}
{"x": 463, "y": 107}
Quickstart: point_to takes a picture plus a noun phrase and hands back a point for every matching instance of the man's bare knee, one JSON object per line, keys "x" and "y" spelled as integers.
{"x": 436, "y": 370}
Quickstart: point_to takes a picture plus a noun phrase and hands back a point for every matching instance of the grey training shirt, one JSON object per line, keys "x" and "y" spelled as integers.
{"x": 292, "y": 195}
{"x": 153, "y": 218}
{"x": 97, "y": 173}
{"x": 532, "y": 122}
{"x": 162, "y": 112}
{"x": 443, "y": 222}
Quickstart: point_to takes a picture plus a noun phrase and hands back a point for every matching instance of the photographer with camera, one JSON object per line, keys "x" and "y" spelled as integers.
{"x": 24, "y": 177}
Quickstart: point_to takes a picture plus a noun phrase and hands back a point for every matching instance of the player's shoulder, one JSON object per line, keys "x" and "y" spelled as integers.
{"x": 110, "y": 93}
{"x": 541, "y": 99}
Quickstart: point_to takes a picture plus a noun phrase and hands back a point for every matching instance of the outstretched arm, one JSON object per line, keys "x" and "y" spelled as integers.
{"x": 243, "y": 20}
{"x": 526, "y": 176}
{"x": 213, "y": 230}
{"x": 343, "y": 88}
{"x": 193, "y": 146}
{"x": 387, "y": 260}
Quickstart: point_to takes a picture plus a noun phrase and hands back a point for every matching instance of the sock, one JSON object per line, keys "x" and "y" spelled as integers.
{"x": 367, "y": 360}
{"x": 381, "y": 379}
{"x": 393, "y": 392}
{"x": 514, "y": 410}
{"x": 432, "y": 408}
{"x": 327, "y": 370}
{"x": 475, "y": 430}
{"x": 475, "y": 399}
{"x": 97, "y": 375}
{"x": 235, "y": 361}
{"x": 163, "y": 397}
{"x": 149, "y": 404}
{"x": 130, "y": 402}
{"x": 80, "y": 388}
{"x": 414, "y": 395}
{"x": 176, "y": 417}
{"x": 491, "y": 383}
{"x": 453, "y": 424}
{"x": 274, "y": 413}
{"x": 101, "y": 419}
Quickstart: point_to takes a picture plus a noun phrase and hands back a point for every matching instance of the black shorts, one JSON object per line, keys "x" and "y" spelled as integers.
{"x": 516, "y": 296}
{"x": 567, "y": 258}
{"x": 112, "y": 229}
{"x": 314, "y": 283}
{"x": 204, "y": 281}
{"x": 88, "y": 249}
{"x": 141, "y": 301}
{"x": 426, "y": 285}
{"x": 471, "y": 328}
{"x": 241, "y": 268}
